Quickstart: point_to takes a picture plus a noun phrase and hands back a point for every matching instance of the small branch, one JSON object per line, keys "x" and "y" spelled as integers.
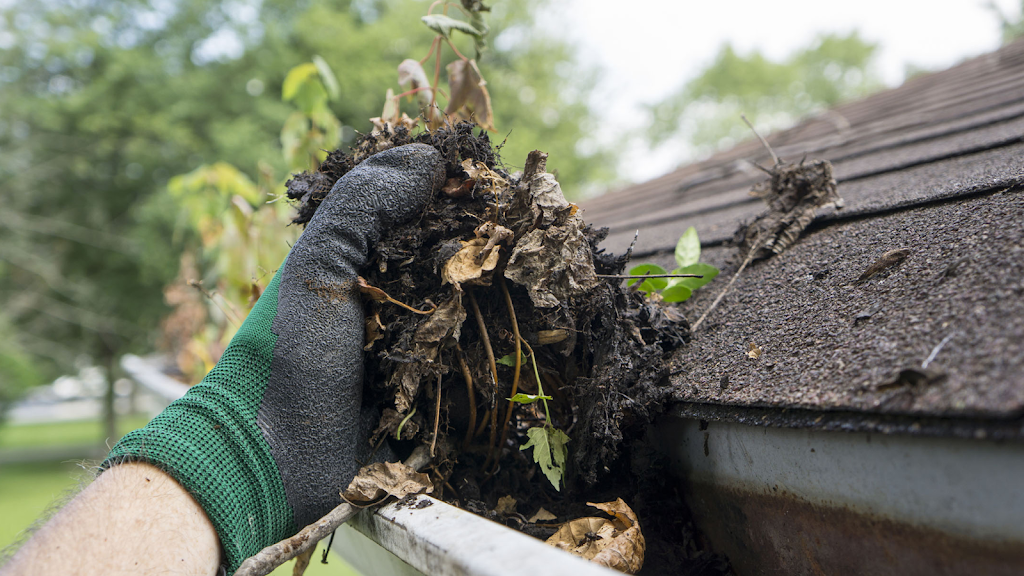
{"x": 750, "y": 256}
{"x": 763, "y": 141}
{"x": 642, "y": 276}
{"x": 265, "y": 561}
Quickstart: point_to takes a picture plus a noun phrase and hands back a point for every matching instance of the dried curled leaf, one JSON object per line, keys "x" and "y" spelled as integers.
{"x": 793, "y": 195}
{"x": 888, "y": 260}
{"x": 469, "y": 97}
{"x": 466, "y": 266}
{"x": 445, "y": 322}
{"x": 382, "y": 479}
{"x": 542, "y": 515}
{"x": 374, "y": 330}
{"x": 617, "y": 543}
{"x": 411, "y": 76}
{"x": 506, "y": 506}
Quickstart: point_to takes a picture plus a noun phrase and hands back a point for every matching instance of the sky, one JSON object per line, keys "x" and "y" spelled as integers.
{"x": 645, "y": 49}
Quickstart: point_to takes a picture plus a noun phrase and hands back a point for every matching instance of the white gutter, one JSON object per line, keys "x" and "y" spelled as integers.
{"x": 427, "y": 536}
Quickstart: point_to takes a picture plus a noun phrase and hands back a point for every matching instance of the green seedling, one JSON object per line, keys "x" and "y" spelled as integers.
{"x": 677, "y": 289}
{"x": 548, "y": 442}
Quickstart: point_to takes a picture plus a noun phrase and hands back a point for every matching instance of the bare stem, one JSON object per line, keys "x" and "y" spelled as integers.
{"x": 750, "y": 256}
{"x": 437, "y": 417}
{"x": 641, "y": 276}
{"x": 518, "y": 366}
{"x": 468, "y": 376}
{"x": 761, "y": 138}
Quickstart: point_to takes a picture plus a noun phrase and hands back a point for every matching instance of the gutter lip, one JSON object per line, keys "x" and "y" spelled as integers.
{"x": 439, "y": 539}
{"x": 967, "y": 427}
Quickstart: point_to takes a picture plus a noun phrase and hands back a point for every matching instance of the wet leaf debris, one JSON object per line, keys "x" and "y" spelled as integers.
{"x": 501, "y": 266}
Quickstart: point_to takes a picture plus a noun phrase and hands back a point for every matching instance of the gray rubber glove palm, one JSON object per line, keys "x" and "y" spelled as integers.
{"x": 266, "y": 441}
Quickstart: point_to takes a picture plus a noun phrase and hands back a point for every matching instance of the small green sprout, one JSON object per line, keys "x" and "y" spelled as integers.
{"x": 677, "y": 289}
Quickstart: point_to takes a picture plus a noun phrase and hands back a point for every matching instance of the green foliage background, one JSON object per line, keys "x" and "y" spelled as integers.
{"x": 101, "y": 103}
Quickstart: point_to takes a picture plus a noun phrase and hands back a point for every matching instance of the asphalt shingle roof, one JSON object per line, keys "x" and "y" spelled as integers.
{"x": 936, "y": 167}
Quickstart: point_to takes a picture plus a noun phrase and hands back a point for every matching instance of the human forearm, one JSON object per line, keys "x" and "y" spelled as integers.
{"x": 133, "y": 519}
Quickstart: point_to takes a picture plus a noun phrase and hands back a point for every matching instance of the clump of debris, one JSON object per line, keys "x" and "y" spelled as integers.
{"x": 496, "y": 293}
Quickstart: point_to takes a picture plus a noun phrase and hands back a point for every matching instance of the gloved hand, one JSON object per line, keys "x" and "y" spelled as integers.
{"x": 268, "y": 439}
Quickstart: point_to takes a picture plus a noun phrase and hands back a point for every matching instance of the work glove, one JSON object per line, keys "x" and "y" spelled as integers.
{"x": 268, "y": 439}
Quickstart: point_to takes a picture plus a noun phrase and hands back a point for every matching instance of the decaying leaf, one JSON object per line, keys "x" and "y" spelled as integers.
{"x": 552, "y": 257}
{"x": 888, "y": 260}
{"x": 444, "y": 323}
{"x": 793, "y": 193}
{"x": 469, "y": 97}
{"x": 374, "y": 330}
{"x": 458, "y": 187}
{"x": 443, "y": 25}
{"x": 490, "y": 181}
{"x": 542, "y": 515}
{"x": 552, "y": 336}
{"x": 617, "y": 543}
{"x": 371, "y": 292}
{"x": 382, "y": 479}
{"x": 548, "y": 451}
{"x": 411, "y": 76}
{"x": 754, "y": 351}
{"x": 506, "y": 506}
{"x": 466, "y": 266}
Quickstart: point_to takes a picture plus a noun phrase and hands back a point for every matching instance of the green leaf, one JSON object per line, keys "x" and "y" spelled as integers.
{"x": 652, "y": 284}
{"x": 510, "y": 360}
{"x": 521, "y": 398}
{"x": 688, "y": 248}
{"x": 708, "y": 271}
{"x": 549, "y": 451}
{"x": 327, "y": 76}
{"x": 676, "y": 293}
{"x": 296, "y": 77}
{"x": 444, "y": 25}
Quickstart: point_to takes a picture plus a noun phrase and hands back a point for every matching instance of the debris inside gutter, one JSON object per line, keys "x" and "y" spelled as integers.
{"x": 508, "y": 272}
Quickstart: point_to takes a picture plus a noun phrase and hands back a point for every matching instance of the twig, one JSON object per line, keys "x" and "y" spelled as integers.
{"x": 468, "y": 376}
{"x": 232, "y": 317}
{"x": 265, "y": 561}
{"x": 437, "y": 417}
{"x": 750, "y": 256}
{"x": 775, "y": 158}
{"x": 640, "y": 276}
{"x": 518, "y": 366}
{"x": 935, "y": 351}
{"x": 302, "y": 561}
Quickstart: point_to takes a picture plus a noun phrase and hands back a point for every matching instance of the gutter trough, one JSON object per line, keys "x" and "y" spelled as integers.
{"x": 806, "y": 501}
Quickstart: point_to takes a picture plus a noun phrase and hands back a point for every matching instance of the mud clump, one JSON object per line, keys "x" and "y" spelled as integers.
{"x": 506, "y": 264}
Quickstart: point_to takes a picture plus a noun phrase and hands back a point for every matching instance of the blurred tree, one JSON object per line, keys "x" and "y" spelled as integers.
{"x": 1011, "y": 25}
{"x": 706, "y": 110}
{"x": 102, "y": 102}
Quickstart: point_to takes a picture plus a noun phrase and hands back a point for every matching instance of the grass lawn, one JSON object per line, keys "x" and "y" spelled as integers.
{"x": 27, "y": 490}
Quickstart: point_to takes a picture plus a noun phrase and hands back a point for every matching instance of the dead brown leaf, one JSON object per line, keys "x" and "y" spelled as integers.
{"x": 616, "y": 543}
{"x": 445, "y": 322}
{"x": 793, "y": 194}
{"x": 506, "y": 506}
{"x": 754, "y": 351}
{"x": 542, "y": 515}
{"x": 467, "y": 266}
{"x": 469, "y": 97}
{"x": 382, "y": 479}
{"x": 458, "y": 187}
{"x": 374, "y": 330}
{"x": 888, "y": 260}
{"x": 302, "y": 562}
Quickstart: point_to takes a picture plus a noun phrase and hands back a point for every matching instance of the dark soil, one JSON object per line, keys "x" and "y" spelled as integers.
{"x": 607, "y": 377}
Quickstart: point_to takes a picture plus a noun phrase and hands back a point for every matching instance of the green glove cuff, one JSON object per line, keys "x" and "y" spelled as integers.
{"x": 210, "y": 442}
